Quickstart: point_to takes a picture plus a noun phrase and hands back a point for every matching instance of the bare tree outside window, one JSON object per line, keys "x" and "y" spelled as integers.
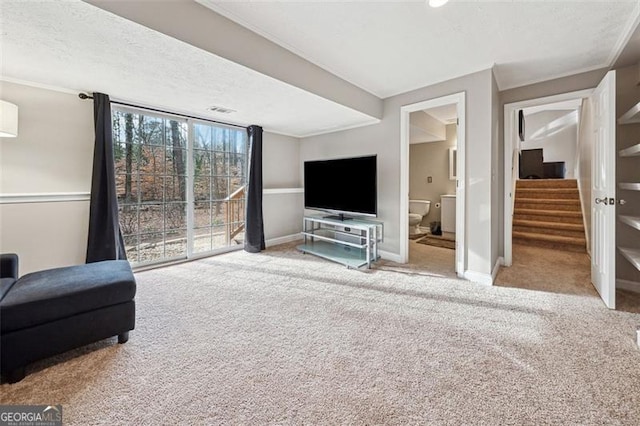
{"x": 151, "y": 154}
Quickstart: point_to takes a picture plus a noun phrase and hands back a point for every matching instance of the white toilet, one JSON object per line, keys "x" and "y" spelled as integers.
{"x": 417, "y": 210}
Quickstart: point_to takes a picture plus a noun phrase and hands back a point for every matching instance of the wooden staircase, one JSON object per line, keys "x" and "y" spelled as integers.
{"x": 547, "y": 213}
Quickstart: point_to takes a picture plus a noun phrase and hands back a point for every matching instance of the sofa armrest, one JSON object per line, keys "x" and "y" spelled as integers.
{"x": 9, "y": 265}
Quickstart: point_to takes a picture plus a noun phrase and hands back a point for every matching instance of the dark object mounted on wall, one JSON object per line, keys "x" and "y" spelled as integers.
{"x": 521, "y": 125}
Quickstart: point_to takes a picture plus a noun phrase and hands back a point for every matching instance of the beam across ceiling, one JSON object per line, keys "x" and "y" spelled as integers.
{"x": 199, "y": 26}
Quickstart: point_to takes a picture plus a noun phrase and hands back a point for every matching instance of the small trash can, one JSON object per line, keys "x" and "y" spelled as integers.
{"x": 436, "y": 228}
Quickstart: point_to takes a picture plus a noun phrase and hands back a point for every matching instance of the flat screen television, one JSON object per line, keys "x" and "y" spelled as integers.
{"x": 342, "y": 186}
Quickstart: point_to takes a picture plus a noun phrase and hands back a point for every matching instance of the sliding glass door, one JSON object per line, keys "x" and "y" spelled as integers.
{"x": 180, "y": 185}
{"x": 220, "y": 164}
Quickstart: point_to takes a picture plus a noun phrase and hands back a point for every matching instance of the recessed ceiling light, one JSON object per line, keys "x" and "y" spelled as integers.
{"x": 437, "y": 3}
{"x": 221, "y": 110}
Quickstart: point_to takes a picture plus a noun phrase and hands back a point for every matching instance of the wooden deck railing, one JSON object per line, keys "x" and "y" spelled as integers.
{"x": 235, "y": 213}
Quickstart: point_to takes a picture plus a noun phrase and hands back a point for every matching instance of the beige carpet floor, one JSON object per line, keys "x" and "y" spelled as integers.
{"x": 547, "y": 269}
{"x": 285, "y": 338}
{"x": 557, "y": 271}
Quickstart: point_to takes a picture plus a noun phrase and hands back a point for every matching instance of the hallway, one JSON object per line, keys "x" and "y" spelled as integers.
{"x": 557, "y": 271}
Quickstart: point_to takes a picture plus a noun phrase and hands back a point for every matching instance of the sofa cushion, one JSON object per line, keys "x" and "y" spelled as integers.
{"x": 44, "y": 296}
{"x": 5, "y": 286}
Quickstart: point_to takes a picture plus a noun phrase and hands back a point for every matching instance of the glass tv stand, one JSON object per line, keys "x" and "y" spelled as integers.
{"x": 352, "y": 242}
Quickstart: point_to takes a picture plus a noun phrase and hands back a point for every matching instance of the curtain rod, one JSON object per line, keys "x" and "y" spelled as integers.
{"x": 85, "y": 96}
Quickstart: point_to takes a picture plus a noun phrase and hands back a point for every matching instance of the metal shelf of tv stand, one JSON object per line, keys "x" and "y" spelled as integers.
{"x": 320, "y": 239}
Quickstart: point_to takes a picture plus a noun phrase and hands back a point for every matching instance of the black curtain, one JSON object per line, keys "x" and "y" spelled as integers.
{"x": 254, "y": 233}
{"x": 105, "y": 239}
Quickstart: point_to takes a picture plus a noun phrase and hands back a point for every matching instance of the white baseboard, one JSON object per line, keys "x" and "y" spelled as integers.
{"x": 282, "y": 240}
{"x": 628, "y": 285}
{"x": 496, "y": 269}
{"x": 394, "y": 257}
{"x": 482, "y": 278}
{"x": 478, "y": 277}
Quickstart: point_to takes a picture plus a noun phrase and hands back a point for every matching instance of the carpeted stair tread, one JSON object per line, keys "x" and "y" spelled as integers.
{"x": 559, "y": 219}
{"x": 536, "y": 212}
{"x": 551, "y": 245}
{"x": 540, "y": 215}
{"x": 519, "y": 211}
{"x": 549, "y": 238}
{"x": 559, "y": 201}
{"x": 549, "y": 225}
{"x": 549, "y": 231}
{"x": 547, "y": 212}
{"x": 548, "y": 204}
{"x": 547, "y": 183}
{"x": 564, "y": 193}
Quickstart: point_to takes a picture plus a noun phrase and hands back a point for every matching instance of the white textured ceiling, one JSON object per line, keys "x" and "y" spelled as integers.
{"x": 384, "y": 47}
{"x": 392, "y": 47}
{"x": 446, "y": 114}
{"x": 572, "y": 104}
{"x": 74, "y": 45}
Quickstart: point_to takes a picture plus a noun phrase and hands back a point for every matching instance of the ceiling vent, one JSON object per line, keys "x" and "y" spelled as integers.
{"x": 221, "y": 110}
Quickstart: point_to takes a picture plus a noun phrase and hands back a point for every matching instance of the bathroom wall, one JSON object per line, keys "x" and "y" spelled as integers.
{"x": 431, "y": 159}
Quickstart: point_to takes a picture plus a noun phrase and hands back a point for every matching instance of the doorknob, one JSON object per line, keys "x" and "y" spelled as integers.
{"x": 606, "y": 201}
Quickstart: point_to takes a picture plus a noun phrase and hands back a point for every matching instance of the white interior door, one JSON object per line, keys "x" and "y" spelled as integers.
{"x": 603, "y": 205}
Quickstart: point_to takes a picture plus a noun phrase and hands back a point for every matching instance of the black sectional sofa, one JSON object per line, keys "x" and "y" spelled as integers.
{"x": 49, "y": 312}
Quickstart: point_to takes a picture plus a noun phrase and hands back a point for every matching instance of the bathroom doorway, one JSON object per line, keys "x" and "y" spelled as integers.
{"x": 432, "y": 215}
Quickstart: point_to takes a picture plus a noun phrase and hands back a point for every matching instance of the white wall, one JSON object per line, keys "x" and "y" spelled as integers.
{"x": 53, "y": 154}
{"x": 282, "y": 212}
{"x": 54, "y": 147}
{"x": 497, "y": 178}
{"x": 584, "y": 156}
{"x": 558, "y": 132}
{"x": 383, "y": 139}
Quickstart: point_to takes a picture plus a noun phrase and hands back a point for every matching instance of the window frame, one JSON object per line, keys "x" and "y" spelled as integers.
{"x": 189, "y": 200}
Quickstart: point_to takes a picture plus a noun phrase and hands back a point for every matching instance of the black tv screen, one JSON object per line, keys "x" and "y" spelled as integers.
{"x": 345, "y": 185}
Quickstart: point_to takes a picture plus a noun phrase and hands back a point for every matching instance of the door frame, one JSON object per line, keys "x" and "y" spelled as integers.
{"x": 510, "y": 142}
{"x": 405, "y": 111}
